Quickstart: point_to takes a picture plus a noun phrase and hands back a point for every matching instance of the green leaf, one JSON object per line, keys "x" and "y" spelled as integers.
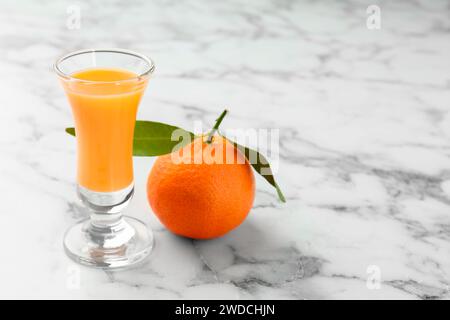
{"x": 261, "y": 165}
{"x": 71, "y": 131}
{"x": 155, "y": 138}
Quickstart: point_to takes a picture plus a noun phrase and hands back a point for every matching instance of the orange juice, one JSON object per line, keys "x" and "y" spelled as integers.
{"x": 104, "y": 104}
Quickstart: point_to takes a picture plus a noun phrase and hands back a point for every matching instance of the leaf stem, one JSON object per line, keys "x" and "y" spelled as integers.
{"x": 216, "y": 126}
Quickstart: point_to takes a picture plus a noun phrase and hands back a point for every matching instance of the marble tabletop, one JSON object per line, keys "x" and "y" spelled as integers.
{"x": 364, "y": 124}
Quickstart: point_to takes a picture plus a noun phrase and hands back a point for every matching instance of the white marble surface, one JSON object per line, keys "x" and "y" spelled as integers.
{"x": 364, "y": 120}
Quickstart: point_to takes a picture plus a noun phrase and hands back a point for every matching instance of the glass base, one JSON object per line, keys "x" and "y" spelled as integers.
{"x": 126, "y": 243}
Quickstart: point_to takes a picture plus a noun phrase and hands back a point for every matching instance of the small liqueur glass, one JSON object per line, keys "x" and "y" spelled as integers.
{"x": 104, "y": 88}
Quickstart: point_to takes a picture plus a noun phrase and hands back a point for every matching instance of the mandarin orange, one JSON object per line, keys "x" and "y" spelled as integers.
{"x": 203, "y": 190}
